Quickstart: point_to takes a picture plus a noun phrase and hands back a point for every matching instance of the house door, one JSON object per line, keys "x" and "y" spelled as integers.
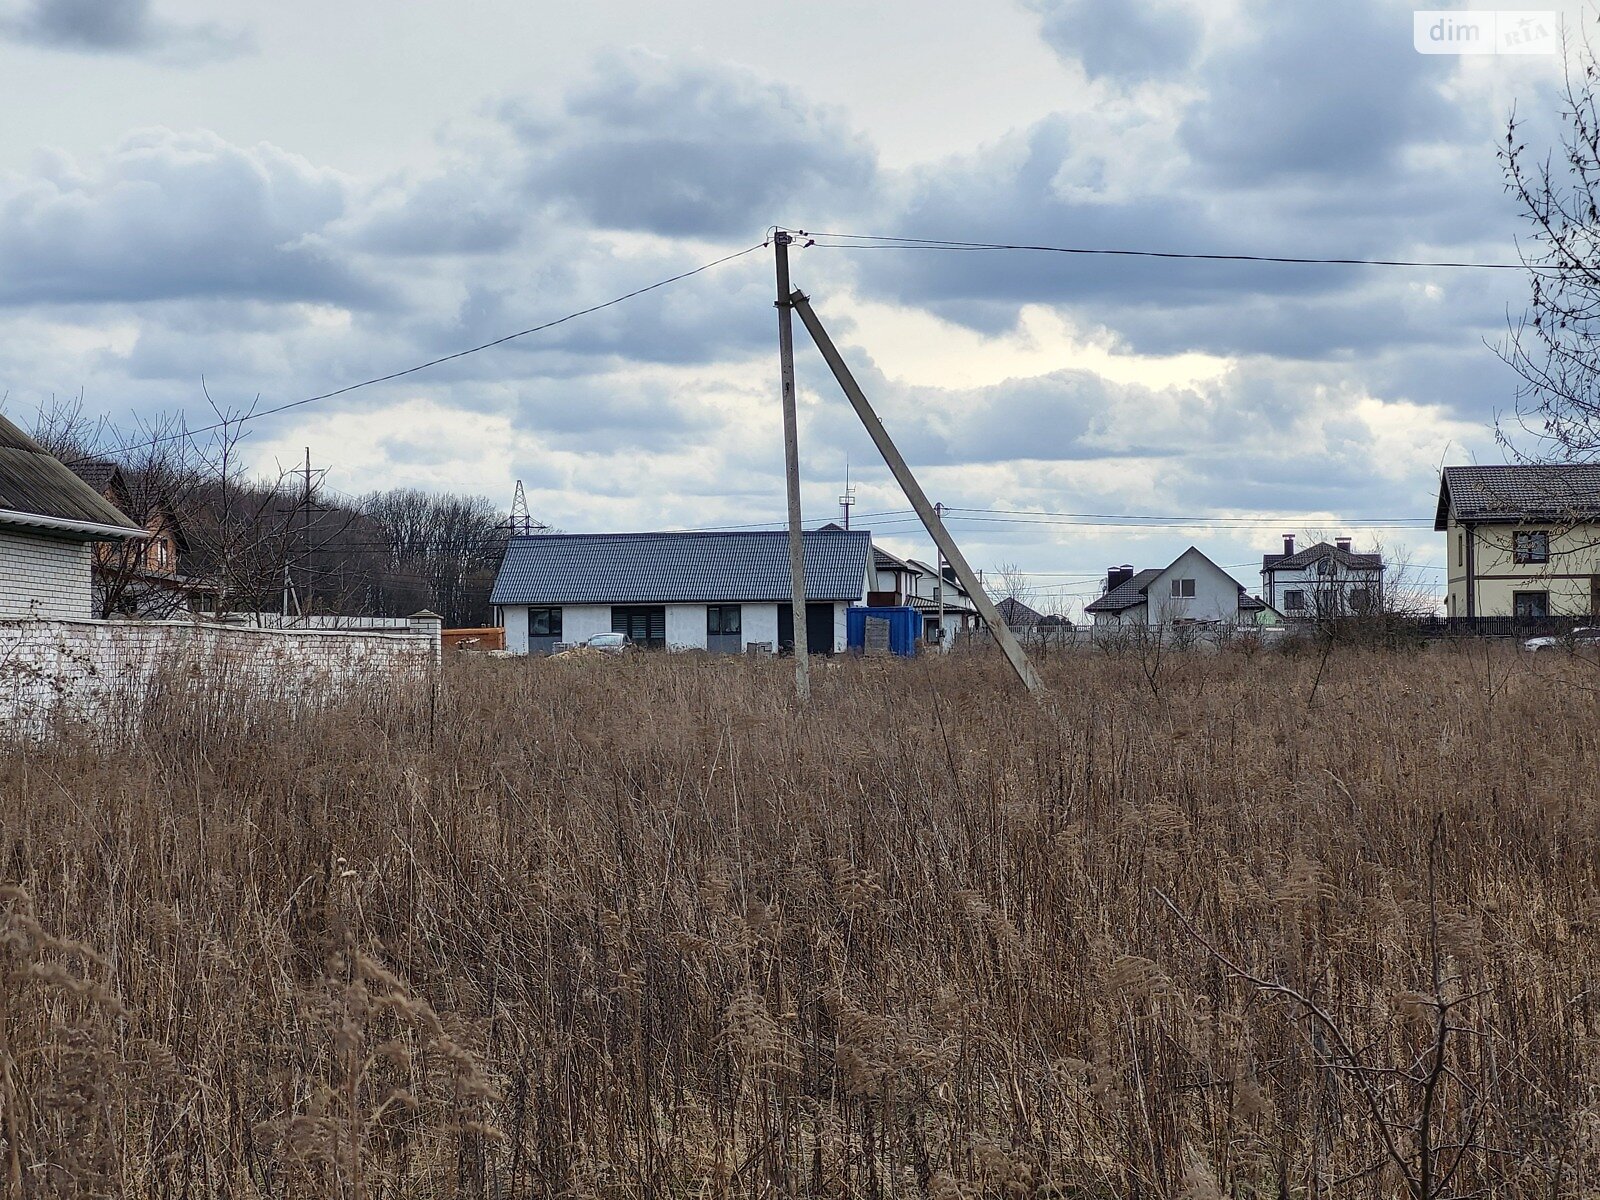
{"x": 644, "y": 624}
{"x": 819, "y": 628}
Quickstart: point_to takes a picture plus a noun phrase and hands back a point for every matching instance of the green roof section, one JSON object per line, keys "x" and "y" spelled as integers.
{"x": 37, "y": 490}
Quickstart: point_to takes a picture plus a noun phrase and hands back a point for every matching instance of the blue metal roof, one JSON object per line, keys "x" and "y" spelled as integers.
{"x": 678, "y": 568}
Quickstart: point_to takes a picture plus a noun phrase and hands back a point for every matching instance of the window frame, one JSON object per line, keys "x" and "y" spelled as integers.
{"x": 718, "y": 627}
{"x": 1516, "y": 598}
{"x": 1294, "y": 600}
{"x": 553, "y": 629}
{"x": 1522, "y": 547}
{"x": 1179, "y": 586}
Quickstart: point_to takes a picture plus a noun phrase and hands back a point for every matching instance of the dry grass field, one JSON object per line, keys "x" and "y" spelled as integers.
{"x": 636, "y": 927}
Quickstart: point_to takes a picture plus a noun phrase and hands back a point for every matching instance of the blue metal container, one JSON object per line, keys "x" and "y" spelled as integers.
{"x": 905, "y": 627}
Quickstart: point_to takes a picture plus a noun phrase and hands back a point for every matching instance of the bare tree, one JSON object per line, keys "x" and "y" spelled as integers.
{"x": 1553, "y": 346}
{"x": 453, "y": 542}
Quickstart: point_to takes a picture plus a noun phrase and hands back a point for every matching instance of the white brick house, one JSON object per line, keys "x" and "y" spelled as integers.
{"x": 1322, "y": 581}
{"x": 723, "y": 592}
{"x": 49, "y": 521}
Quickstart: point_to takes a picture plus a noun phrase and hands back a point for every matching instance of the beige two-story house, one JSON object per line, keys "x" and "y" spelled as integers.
{"x": 1521, "y": 541}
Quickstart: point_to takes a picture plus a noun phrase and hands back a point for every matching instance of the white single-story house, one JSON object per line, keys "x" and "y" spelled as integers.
{"x": 49, "y": 521}
{"x": 1190, "y": 590}
{"x": 724, "y": 592}
{"x": 1322, "y": 580}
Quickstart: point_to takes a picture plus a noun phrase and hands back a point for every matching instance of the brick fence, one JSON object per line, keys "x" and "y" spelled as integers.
{"x": 103, "y": 671}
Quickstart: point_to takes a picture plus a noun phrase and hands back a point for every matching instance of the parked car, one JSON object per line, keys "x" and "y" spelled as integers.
{"x": 1589, "y": 635}
{"x": 610, "y": 643}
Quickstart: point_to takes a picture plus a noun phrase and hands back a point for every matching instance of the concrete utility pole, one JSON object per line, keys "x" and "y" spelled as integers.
{"x": 938, "y": 583}
{"x": 919, "y": 499}
{"x": 791, "y": 467}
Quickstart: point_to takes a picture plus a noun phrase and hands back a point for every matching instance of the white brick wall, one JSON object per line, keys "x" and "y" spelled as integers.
{"x": 45, "y": 577}
{"x": 101, "y": 670}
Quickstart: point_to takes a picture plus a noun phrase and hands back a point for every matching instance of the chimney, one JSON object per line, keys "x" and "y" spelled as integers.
{"x": 1343, "y": 544}
{"x": 1117, "y": 576}
{"x": 1288, "y": 543}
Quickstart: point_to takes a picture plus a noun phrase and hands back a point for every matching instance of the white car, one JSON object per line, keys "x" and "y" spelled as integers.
{"x": 1588, "y": 635}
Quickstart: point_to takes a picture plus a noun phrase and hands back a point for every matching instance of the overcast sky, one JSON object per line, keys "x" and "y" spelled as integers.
{"x": 287, "y": 198}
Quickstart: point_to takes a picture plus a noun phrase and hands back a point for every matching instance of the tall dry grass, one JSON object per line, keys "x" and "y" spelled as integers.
{"x": 638, "y": 928}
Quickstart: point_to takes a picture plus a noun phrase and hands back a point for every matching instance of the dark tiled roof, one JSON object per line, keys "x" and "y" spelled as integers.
{"x": 678, "y": 568}
{"x": 1125, "y": 595}
{"x": 34, "y": 483}
{"x": 1015, "y": 612}
{"x": 1512, "y": 493}
{"x": 97, "y": 473}
{"x": 1301, "y": 559}
{"x": 1248, "y": 603}
{"x": 882, "y": 560}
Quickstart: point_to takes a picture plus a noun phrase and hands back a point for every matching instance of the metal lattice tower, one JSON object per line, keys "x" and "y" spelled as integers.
{"x": 521, "y": 522}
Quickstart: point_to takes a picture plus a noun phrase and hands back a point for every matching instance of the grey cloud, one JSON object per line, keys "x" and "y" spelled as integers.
{"x": 441, "y": 216}
{"x": 1124, "y": 40}
{"x": 168, "y": 215}
{"x": 1028, "y": 190}
{"x": 120, "y": 27}
{"x": 1321, "y": 90}
{"x": 690, "y": 149}
{"x": 720, "y": 315}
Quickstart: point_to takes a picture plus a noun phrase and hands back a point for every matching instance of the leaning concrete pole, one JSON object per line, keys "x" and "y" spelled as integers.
{"x": 791, "y": 469}
{"x": 919, "y": 500}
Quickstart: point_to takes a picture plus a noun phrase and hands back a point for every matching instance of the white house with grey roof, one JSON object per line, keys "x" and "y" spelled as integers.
{"x": 49, "y": 522}
{"x": 1322, "y": 581}
{"x": 1191, "y": 590}
{"x": 724, "y": 592}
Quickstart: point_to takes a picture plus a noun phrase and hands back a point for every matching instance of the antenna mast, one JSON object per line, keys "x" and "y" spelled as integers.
{"x": 848, "y": 500}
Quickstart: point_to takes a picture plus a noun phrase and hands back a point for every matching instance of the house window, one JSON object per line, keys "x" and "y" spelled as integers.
{"x": 1325, "y": 566}
{"x": 1294, "y": 600}
{"x": 1360, "y": 600}
{"x": 1182, "y": 588}
{"x": 1530, "y": 546}
{"x": 644, "y": 625}
{"x": 1530, "y": 606}
{"x": 544, "y": 622}
{"x": 162, "y": 555}
{"x": 724, "y": 619}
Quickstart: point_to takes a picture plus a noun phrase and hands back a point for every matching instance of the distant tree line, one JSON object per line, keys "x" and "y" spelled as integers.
{"x": 253, "y": 544}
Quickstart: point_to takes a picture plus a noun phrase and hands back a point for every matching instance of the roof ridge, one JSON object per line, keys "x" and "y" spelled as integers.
{"x": 707, "y": 533}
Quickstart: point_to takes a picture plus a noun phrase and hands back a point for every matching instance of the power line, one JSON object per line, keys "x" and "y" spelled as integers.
{"x": 256, "y": 414}
{"x": 864, "y": 241}
{"x": 1188, "y": 518}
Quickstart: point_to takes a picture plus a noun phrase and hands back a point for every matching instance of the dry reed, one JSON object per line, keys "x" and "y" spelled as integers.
{"x": 631, "y": 928}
